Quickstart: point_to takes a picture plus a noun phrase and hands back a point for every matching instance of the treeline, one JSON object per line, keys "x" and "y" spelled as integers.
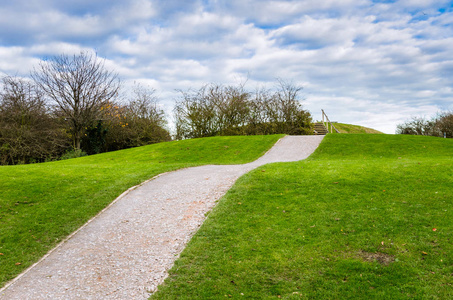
{"x": 72, "y": 106}
{"x": 441, "y": 126}
{"x": 32, "y": 130}
{"x": 231, "y": 110}
{"x": 29, "y": 132}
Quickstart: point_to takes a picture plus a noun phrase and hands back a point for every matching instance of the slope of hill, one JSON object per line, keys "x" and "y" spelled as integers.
{"x": 40, "y": 204}
{"x": 365, "y": 217}
{"x": 348, "y": 128}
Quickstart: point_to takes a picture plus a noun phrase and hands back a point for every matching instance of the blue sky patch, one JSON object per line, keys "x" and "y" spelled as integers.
{"x": 368, "y": 63}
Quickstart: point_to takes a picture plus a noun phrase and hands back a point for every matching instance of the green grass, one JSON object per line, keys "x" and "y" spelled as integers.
{"x": 348, "y": 128}
{"x": 40, "y": 204}
{"x": 354, "y": 221}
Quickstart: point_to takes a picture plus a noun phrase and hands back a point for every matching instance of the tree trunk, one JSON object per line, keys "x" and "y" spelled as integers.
{"x": 77, "y": 140}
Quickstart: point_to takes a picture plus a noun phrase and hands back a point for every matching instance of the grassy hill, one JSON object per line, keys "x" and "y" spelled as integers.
{"x": 348, "y": 128}
{"x": 365, "y": 217}
{"x": 40, "y": 204}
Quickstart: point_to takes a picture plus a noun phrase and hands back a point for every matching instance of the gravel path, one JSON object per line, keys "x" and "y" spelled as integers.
{"x": 126, "y": 250}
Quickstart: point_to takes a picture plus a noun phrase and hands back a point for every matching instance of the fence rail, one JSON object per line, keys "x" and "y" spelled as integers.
{"x": 327, "y": 123}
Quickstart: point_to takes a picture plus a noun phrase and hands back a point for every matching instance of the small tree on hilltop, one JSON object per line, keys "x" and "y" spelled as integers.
{"x": 147, "y": 118}
{"x": 289, "y": 115}
{"x": 139, "y": 121}
{"x": 79, "y": 85}
{"x": 444, "y": 124}
{"x": 417, "y": 126}
{"x": 230, "y": 110}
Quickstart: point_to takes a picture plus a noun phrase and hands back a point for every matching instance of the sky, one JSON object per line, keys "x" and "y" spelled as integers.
{"x": 365, "y": 62}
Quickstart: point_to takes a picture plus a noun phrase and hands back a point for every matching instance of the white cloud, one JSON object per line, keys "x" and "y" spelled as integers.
{"x": 277, "y": 12}
{"x": 374, "y": 64}
{"x": 421, "y": 4}
{"x": 55, "y": 48}
{"x": 28, "y": 23}
{"x": 15, "y": 61}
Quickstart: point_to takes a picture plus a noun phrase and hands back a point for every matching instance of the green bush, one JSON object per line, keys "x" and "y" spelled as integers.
{"x": 73, "y": 153}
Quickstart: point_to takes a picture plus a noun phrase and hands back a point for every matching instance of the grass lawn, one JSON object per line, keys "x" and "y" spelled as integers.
{"x": 40, "y": 204}
{"x": 365, "y": 217}
{"x": 348, "y": 128}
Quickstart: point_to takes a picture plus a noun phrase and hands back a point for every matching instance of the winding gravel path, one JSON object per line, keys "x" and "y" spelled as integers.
{"x": 127, "y": 249}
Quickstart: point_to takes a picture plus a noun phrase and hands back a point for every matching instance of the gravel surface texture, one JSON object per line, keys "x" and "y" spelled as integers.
{"x": 127, "y": 249}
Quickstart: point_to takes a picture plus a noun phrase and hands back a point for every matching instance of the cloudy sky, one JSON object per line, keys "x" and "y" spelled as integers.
{"x": 372, "y": 63}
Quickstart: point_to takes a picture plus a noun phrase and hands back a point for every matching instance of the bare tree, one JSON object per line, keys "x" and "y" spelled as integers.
{"x": 195, "y": 115}
{"x": 146, "y": 119}
{"x": 79, "y": 85}
{"x": 291, "y": 117}
{"x": 139, "y": 121}
{"x": 28, "y": 132}
{"x": 145, "y": 105}
{"x": 417, "y": 126}
{"x": 444, "y": 124}
{"x": 231, "y": 110}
